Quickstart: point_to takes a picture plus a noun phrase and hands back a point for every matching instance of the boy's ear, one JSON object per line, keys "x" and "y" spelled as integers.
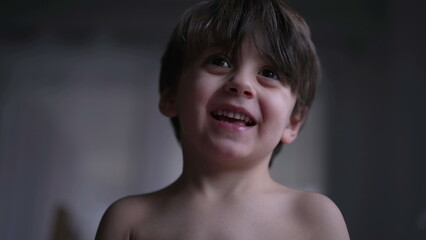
{"x": 291, "y": 131}
{"x": 167, "y": 103}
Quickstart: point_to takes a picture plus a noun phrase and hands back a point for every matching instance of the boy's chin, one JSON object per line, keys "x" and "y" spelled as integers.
{"x": 233, "y": 157}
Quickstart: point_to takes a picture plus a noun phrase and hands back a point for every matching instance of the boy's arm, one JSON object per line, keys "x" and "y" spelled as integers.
{"x": 324, "y": 219}
{"x": 117, "y": 221}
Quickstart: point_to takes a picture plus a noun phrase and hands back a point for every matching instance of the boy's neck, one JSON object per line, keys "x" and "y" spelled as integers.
{"x": 217, "y": 182}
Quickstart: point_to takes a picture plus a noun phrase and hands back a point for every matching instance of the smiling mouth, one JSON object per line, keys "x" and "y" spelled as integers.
{"x": 233, "y": 117}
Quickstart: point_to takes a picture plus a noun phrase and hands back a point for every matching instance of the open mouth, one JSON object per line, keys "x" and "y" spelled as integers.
{"x": 233, "y": 117}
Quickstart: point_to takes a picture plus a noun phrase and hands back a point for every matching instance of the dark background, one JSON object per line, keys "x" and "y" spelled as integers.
{"x": 372, "y": 54}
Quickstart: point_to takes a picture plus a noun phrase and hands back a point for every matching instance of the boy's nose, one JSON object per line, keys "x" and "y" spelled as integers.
{"x": 240, "y": 86}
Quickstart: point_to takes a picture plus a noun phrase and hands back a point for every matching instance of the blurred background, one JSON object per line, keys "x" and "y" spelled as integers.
{"x": 79, "y": 125}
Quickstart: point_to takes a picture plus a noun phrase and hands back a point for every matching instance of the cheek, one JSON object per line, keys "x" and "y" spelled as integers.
{"x": 202, "y": 90}
{"x": 193, "y": 96}
{"x": 280, "y": 107}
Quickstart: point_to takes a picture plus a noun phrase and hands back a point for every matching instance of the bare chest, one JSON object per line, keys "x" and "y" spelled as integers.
{"x": 222, "y": 224}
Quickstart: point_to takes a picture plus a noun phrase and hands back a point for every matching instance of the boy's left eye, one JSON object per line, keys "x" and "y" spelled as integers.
{"x": 269, "y": 74}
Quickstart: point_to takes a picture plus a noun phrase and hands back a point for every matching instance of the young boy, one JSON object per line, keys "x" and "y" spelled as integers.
{"x": 237, "y": 78}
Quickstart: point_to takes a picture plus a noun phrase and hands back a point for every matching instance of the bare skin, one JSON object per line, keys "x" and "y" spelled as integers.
{"x": 185, "y": 211}
{"x": 225, "y": 190}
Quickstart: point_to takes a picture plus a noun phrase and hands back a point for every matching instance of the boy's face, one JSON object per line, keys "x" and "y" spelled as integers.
{"x": 232, "y": 110}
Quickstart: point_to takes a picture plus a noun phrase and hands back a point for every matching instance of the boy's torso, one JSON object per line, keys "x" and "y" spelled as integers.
{"x": 273, "y": 216}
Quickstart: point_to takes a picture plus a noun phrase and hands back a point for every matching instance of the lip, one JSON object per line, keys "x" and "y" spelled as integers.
{"x": 231, "y": 126}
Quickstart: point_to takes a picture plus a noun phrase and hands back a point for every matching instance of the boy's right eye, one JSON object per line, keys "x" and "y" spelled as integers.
{"x": 220, "y": 61}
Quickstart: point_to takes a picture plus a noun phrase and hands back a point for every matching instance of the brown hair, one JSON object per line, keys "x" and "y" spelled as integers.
{"x": 280, "y": 35}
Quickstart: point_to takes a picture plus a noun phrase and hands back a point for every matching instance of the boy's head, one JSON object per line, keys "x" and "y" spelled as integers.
{"x": 279, "y": 34}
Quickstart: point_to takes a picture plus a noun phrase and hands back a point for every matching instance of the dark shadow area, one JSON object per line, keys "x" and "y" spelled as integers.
{"x": 62, "y": 227}
{"x": 373, "y": 54}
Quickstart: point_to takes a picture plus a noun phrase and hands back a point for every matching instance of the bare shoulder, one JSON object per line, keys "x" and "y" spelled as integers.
{"x": 320, "y": 216}
{"x": 120, "y": 218}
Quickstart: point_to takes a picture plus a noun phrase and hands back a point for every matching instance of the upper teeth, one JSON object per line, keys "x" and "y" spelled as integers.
{"x": 237, "y": 116}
